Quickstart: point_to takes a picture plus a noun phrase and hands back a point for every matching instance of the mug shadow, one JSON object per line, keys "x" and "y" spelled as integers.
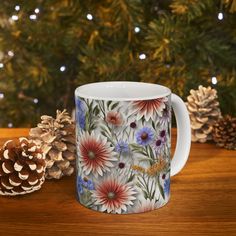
{"x": 201, "y": 152}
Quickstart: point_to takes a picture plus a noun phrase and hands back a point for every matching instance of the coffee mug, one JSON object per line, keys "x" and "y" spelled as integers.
{"x": 123, "y": 145}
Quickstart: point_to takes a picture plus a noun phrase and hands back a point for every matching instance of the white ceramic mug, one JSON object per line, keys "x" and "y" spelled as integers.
{"x": 123, "y": 145}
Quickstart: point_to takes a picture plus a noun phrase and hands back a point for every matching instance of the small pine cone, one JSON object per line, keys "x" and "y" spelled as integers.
{"x": 22, "y": 167}
{"x": 56, "y": 136}
{"x": 224, "y": 132}
{"x": 203, "y": 108}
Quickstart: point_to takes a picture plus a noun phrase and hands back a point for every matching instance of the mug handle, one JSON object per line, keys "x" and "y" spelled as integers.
{"x": 183, "y": 135}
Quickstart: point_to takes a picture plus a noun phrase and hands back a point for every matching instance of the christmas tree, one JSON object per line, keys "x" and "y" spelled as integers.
{"x": 48, "y": 48}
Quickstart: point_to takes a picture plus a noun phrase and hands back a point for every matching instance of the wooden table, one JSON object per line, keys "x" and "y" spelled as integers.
{"x": 203, "y": 202}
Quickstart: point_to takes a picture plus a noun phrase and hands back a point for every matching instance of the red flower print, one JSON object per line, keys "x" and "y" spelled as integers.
{"x": 146, "y": 205}
{"x": 95, "y": 154}
{"x": 114, "y": 118}
{"x": 113, "y": 195}
{"x": 149, "y": 108}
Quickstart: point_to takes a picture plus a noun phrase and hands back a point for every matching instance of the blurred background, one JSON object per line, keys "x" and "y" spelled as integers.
{"x": 48, "y": 48}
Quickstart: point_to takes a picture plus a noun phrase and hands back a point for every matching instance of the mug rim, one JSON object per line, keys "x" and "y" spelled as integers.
{"x": 161, "y": 91}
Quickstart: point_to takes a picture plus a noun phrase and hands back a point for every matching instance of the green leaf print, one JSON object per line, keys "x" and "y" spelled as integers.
{"x": 87, "y": 123}
{"x": 160, "y": 187}
{"x": 114, "y": 105}
{"x": 96, "y": 110}
{"x": 86, "y": 198}
{"x": 109, "y": 103}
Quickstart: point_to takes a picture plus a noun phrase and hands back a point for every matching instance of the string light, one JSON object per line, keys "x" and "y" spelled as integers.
{"x": 89, "y": 16}
{"x": 214, "y": 80}
{"x": 35, "y": 100}
{"x": 62, "y": 68}
{"x": 1, "y": 65}
{"x": 136, "y": 29}
{"x": 1, "y": 95}
{"x": 17, "y": 7}
{"x": 220, "y": 16}
{"x": 142, "y": 56}
{"x": 10, "y": 125}
{"x": 14, "y": 17}
{"x": 10, "y": 53}
{"x": 36, "y": 10}
{"x": 33, "y": 17}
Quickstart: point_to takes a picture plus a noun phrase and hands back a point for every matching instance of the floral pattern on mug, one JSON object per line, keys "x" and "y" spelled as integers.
{"x": 114, "y": 195}
{"x": 96, "y": 154}
{"x": 123, "y": 148}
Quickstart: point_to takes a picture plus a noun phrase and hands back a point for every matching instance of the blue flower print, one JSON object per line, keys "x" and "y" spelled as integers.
{"x": 144, "y": 136}
{"x": 122, "y": 147}
{"x": 84, "y": 183}
{"x": 88, "y": 184}
{"x": 80, "y": 185}
{"x": 167, "y": 187}
{"x": 80, "y": 115}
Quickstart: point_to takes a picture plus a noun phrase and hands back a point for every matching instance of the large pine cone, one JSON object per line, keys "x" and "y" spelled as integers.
{"x": 203, "y": 108}
{"x": 224, "y": 132}
{"x": 57, "y": 140}
{"x": 22, "y": 167}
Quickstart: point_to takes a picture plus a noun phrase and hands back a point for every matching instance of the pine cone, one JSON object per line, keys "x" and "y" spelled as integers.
{"x": 203, "y": 108}
{"x": 57, "y": 140}
{"x": 224, "y": 132}
{"x": 22, "y": 167}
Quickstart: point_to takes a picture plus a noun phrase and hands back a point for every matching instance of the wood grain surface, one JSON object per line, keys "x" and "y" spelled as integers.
{"x": 203, "y": 202}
